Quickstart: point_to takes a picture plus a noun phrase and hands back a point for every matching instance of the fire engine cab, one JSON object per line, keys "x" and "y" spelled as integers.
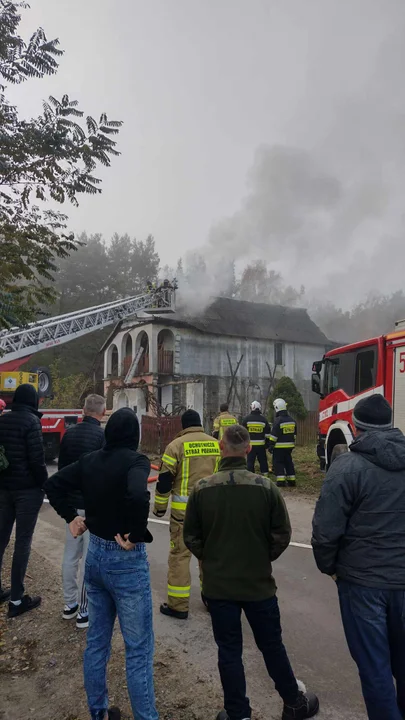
{"x": 347, "y": 374}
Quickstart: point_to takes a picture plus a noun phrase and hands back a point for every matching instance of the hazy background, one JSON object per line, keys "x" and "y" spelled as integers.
{"x": 271, "y": 129}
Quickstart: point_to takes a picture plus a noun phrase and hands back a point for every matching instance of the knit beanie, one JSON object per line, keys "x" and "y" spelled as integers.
{"x": 190, "y": 418}
{"x": 26, "y": 395}
{"x": 373, "y": 413}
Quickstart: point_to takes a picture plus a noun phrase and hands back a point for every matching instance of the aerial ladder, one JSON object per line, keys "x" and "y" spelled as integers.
{"x": 18, "y": 345}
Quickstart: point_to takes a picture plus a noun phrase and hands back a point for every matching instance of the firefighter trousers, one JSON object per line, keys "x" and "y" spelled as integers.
{"x": 259, "y": 452}
{"x": 283, "y": 466}
{"x": 179, "y": 578}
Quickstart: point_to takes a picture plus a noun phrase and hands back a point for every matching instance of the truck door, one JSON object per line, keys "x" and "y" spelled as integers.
{"x": 399, "y": 387}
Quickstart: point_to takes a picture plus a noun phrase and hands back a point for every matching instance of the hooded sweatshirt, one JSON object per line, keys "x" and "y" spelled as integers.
{"x": 113, "y": 482}
{"x": 359, "y": 521}
{"x": 21, "y": 437}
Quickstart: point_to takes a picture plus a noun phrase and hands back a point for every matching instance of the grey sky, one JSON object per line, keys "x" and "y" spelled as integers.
{"x": 201, "y": 84}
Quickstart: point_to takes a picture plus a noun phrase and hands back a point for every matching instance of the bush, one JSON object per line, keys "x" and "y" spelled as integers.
{"x": 67, "y": 391}
{"x": 285, "y": 388}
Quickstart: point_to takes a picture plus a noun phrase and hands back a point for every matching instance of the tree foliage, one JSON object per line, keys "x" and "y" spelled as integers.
{"x": 52, "y": 157}
{"x": 286, "y": 389}
{"x": 98, "y": 272}
{"x": 68, "y": 390}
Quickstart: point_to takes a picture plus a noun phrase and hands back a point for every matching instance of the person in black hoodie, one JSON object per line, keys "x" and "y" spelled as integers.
{"x": 359, "y": 540}
{"x": 113, "y": 482}
{"x": 21, "y": 491}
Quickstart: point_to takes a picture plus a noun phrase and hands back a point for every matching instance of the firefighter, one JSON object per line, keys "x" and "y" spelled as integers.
{"x": 259, "y": 433}
{"x": 282, "y": 438}
{"x": 191, "y": 456}
{"x": 222, "y": 421}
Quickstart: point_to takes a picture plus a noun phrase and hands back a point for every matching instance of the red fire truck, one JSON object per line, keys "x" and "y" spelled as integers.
{"x": 347, "y": 374}
{"x": 18, "y": 345}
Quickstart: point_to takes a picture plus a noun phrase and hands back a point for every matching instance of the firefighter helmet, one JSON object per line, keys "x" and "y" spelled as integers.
{"x": 279, "y": 404}
{"x": 255, "y": 405}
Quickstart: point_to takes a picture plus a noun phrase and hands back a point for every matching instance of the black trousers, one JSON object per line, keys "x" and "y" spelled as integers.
{"x": 20, "y": 507}
{"x": 283, "y": 466}
{"x": 264, "y": 619}
{"x": 259, "y": 452}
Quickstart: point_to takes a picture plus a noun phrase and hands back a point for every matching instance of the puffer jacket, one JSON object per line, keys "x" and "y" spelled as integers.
{"x": 21, "y": 437}
{"x": 79, "y": 440}
{"x": 359, "y": 521}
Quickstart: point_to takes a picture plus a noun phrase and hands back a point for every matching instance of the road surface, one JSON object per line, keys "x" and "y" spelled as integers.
{"x": 310, "y": 618}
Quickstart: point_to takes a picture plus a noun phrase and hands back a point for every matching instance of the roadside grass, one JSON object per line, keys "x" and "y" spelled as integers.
{"x": 309, "y": 476}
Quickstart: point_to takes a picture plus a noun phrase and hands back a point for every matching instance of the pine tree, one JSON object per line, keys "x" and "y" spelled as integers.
{"x": 286, "y": 389}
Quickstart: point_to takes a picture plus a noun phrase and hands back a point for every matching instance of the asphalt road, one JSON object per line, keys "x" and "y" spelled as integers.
{"x": 310, "y": 617}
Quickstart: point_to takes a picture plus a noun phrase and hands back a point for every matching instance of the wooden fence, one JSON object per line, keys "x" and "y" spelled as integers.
{"x": 157, "y": 432}
{"x": 307, "y": 430}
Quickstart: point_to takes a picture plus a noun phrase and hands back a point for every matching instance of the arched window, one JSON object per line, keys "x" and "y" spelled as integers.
{"x": 165, "y": 352}
{"x": 112, "y": 361}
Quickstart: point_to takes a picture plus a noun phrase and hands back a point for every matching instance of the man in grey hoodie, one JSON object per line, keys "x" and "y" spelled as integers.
{"x": 359, "y": 537}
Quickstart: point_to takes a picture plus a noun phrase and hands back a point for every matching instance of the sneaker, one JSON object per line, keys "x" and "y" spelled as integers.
{"x": 82, "y": 621}
{"x": 166, "y": 610}
{"x": 69, "y": 613}
{"x": 27, "y": 603}
{"x": 114, "y": 713}
{"x": 307, "y": 706}
{"x": 5, "y": 595}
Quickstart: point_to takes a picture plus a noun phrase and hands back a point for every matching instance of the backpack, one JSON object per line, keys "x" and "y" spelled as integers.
{"x": 4, "y": 463}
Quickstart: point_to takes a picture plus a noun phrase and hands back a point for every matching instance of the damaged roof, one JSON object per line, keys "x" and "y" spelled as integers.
{"x": 239, "y": 318}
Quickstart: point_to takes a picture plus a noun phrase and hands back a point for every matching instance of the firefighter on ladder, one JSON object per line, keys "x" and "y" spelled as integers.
{"x": 191, "y": 456}
{"x": 282, "y": 437}
{"x": 223, "y": 420}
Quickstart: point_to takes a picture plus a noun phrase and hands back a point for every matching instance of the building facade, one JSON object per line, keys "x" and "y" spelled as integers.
{"x": 230, "y": 352}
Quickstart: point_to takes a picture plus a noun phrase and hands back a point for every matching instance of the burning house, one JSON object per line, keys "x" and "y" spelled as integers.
{"x": 232, "y": 351}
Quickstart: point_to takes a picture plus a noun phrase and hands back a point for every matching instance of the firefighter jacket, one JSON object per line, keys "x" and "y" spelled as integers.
{"x": 221, "y": 422}
{"x": 191, "y": 456}
{"x": 258, "y": 428}
{"x": 283, "y": 431}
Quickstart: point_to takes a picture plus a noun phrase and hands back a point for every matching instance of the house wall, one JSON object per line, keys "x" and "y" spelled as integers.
{"x": 203, "y": 356}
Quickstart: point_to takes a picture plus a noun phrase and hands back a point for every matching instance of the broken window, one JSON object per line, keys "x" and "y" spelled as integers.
{"x": 279, "y": 353}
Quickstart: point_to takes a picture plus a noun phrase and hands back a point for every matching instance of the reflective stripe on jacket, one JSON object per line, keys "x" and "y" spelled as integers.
{"x": 222, "y": 421}
{"x": 283, "y": 432}
{"x": 191, "y": 456}
{"x": 257, "y": 427}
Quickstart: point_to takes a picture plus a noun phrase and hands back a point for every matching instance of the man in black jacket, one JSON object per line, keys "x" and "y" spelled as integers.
{"x": 259, "y": 432}
{"x": 114, "y": 485}
{"x": 21, "y": 491}
{"x": 359, "y": 539}
{"x": 77, "y": 441}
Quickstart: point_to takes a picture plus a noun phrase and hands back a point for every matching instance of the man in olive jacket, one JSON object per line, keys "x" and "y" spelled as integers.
{"x": 236, "y": 524}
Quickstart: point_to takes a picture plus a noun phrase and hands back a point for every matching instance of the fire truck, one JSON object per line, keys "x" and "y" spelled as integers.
{"x": 18, "y": 345}
{"x": 348, "y": 374}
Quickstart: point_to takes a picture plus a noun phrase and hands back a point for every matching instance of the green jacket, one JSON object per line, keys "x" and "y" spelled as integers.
{"x": 236, "y": 524}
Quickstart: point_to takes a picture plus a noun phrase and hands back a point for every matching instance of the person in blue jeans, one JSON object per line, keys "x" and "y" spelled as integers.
{"x": 113, "y": 483}
{"x": 359, "y": 540}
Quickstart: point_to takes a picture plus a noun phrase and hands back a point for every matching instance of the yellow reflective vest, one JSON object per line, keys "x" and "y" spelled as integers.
{"x": 222, "y": 421}
{"x": 191, "y": 456}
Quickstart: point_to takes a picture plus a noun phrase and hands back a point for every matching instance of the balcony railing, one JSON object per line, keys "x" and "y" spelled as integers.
{"x": 165, "y": 362}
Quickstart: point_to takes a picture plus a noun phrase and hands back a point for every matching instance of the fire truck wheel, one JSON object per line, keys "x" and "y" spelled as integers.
{"x": 44, "y": 381}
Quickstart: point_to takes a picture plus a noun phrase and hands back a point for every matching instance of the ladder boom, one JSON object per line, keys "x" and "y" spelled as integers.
{"x": 17, "y": 343}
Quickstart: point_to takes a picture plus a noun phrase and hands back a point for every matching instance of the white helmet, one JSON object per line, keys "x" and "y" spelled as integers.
{"x": 255, "y": 405}
{"x": 279, "y": 404}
